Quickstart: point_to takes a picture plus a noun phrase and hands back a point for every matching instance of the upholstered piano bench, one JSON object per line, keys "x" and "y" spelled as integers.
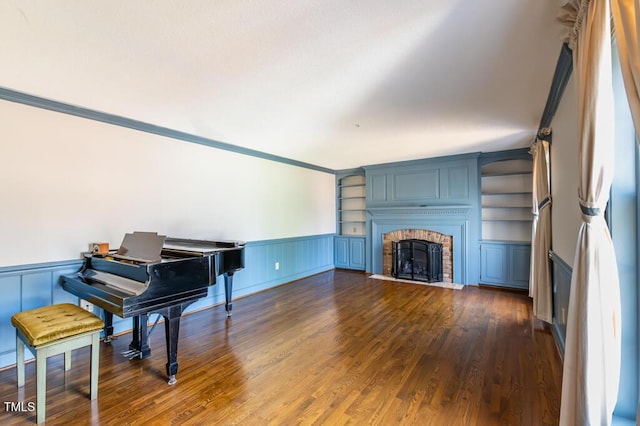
{"x": 52, "y": 330}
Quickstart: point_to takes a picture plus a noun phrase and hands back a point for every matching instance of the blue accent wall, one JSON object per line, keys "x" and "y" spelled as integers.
{"x": 30, "y": 286}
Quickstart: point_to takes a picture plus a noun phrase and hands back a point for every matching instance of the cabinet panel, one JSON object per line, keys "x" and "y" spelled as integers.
{"x": 378, "y": 185}
{"x": 493, "y": 264}
{"x": 342, "y": 252}
{"x": 520, "y": 263}
{"x": 423, "y": 182}
{"x": 349, "y": 253}
{"x": 458, "y": 182}
{"x": 505, "y": 264}
{"x": 356, "y": 253}
{"x": 422, "y": 185}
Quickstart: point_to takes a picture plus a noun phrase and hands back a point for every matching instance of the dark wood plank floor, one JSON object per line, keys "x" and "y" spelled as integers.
{"x": 335, "y": 348}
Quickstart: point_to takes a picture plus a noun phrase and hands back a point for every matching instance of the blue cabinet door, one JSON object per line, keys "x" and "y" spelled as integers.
{"x": 349, "y": 253}
{"x": 356, "y": 253}
{"x": 342, "y": 252}
{"x": 519, "y": 264}
{"x": 493, "y": 263}
{"x": 505, "y": 263}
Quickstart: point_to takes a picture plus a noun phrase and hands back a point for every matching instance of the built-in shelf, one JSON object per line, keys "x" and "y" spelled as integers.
{"x": 351, "y": 219}
{"x": 506, "y": 200}
{"x": 351, "y": 205}
{"x": 506, "y": 182}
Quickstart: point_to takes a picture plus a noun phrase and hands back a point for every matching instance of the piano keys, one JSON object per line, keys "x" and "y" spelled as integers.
{"x": 151, "y": 273}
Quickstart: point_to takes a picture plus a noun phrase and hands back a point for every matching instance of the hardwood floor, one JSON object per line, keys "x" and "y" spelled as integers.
{"x": 335, "y": 348}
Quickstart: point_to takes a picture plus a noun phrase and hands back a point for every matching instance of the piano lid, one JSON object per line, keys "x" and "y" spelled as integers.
{"x": 141, "y": 247}
{"x": 199, "y": 247}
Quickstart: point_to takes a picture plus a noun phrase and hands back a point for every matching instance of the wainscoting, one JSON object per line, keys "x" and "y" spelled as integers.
{"x": 561, "y": 277}
{"x": 30, "y": 286}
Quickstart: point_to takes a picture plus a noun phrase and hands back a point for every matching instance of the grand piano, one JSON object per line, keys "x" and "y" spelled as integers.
{"x": 151, "y": 273}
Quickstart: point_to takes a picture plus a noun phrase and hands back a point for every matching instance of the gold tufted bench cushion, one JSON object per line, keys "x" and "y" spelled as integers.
{"x": 50, "y": 323}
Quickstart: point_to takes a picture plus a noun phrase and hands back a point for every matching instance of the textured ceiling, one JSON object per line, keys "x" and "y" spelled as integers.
{"x": 334, "y": 83}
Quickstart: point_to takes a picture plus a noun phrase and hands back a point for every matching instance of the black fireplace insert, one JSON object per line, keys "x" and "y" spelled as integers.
{"x": 417, "y": 260}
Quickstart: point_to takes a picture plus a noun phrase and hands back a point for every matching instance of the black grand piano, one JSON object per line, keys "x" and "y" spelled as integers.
{"x": 151, "y": 273}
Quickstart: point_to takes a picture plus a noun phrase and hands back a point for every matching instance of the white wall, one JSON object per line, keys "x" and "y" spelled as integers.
{"x": 67, "y": 181}
{"x": 566, "y": 216}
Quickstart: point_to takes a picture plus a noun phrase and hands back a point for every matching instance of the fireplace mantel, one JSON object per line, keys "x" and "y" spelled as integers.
{"x": 450, "y": 219}
{"x": 444, "y": 210}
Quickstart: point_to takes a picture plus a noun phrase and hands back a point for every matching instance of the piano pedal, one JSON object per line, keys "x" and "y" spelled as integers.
{"x": 131, "y": 354}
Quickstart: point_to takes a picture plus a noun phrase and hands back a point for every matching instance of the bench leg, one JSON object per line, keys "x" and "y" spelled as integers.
{"x": 41, "y": 385}
{"x": 20, "y": 361}
{"x": 67, "y": 361}
{"x": 95, "y": 360}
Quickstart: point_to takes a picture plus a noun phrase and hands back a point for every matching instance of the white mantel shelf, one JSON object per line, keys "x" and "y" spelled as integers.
{"x": 444, "y": 210}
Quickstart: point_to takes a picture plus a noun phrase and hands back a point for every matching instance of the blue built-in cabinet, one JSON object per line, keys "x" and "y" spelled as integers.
{"x": 505, "y": 263}
{"x": 481, "y": 200}
{"x": 349, "y": 246}
{"x": 505, "y": 246}
{"x": 349, "y": 252}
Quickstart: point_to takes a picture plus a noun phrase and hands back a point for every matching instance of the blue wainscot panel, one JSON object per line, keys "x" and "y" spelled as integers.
{"x": 561, "y": 276}
{"x": 271, "y": 263}
{"x": 267, "y": 264}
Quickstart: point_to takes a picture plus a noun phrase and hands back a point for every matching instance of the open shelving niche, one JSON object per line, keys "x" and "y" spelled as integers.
{"x": 506, "y": 200}
{"x": 351, "y": 206}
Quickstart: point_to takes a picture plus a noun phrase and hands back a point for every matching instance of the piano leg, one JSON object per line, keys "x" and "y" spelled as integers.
{"x": 228, "y": 287}
{"x": 140, "y": 342}
{"x": 108, "y": 326}
{"x": 171, "y": 329}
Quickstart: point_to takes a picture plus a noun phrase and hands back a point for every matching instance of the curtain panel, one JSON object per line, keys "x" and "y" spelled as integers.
{"x": 540, "y": 277}
{"x": 626, "y": 16}
{"x": 592, "y": 350}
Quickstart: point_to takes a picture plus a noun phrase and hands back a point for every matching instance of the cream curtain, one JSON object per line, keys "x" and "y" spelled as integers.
{"x": 626, "y": 16}
{"x": 540, "y": 277}
{"x": 592, "y": 351}
{"x": 534, "y": 226}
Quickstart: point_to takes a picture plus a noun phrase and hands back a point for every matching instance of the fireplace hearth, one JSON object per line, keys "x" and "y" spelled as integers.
{"x": 417, "y": 260}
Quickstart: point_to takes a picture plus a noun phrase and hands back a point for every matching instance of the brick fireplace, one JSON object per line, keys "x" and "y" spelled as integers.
{"x": 419, "y": 234}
